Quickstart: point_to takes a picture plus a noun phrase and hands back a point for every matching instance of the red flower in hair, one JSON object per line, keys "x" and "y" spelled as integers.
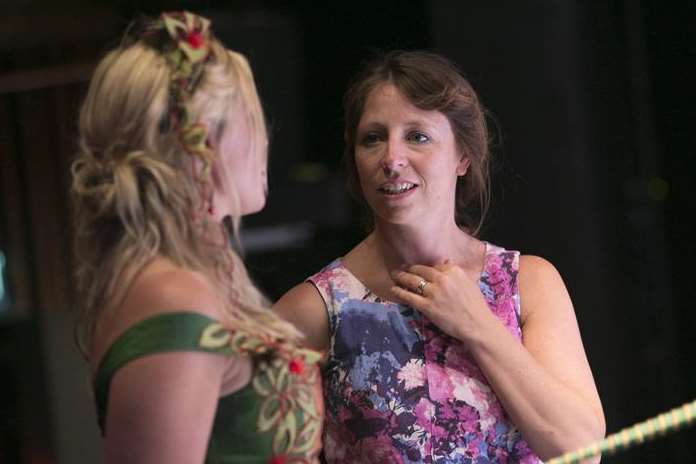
{"x": 195, "y": 39}
{"x": 296, "y": 366}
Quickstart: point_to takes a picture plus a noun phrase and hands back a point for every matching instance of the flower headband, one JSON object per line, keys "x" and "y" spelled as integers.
{"x": 186, "y": 48}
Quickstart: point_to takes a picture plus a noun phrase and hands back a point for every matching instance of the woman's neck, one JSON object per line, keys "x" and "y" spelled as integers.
{"x": 405, "y": 245}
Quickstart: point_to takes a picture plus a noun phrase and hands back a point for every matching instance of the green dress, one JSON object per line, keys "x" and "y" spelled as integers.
{"x": 275, "y": 419}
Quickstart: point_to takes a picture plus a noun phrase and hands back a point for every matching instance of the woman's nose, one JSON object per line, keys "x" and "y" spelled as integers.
{"x": 393, "y": 158}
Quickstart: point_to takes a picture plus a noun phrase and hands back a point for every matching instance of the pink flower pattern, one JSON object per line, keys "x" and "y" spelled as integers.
{"x": 412, "y": 374}
{"x": 399, "y": 390}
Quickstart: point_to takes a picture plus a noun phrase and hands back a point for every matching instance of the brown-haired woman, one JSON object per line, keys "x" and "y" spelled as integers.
{"x": 440, "y": 347}
{"x": 189, "y": 364}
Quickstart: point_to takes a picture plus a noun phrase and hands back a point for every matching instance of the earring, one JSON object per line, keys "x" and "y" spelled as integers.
{"x": 211, "y": 208}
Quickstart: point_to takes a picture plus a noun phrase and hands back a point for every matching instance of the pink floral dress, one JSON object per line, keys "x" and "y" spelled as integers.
{"x": 399, "y": 390}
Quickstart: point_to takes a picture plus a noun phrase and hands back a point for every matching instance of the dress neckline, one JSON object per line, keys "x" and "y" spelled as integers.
{"x": 372, "y": 295}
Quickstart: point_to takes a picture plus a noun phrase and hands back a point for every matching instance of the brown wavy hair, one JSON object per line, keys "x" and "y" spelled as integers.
{"x": 430, "y": 82}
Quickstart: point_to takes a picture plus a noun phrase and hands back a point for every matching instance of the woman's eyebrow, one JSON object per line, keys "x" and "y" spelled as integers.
{"x": 371, "y": 125}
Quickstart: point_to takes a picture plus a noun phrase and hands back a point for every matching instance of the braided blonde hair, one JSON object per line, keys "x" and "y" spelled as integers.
{"x": 135, "y": 190}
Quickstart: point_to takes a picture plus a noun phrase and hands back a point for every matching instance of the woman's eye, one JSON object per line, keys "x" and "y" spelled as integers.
{"x": 370, "y": 138}
{"x": 418, "y": 137}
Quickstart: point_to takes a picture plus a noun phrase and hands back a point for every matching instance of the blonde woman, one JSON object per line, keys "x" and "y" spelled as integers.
{"x": 189, "y": 365}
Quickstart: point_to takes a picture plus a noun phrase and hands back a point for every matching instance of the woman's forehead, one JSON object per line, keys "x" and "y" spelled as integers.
{"x": 387, "y": 103}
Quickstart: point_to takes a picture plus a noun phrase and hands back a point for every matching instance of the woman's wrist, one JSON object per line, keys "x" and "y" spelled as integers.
{"x": 479, "y": 332}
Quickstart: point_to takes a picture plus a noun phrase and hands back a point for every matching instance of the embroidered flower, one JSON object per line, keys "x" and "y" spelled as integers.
{"x": 195, "y": 39}
{"x": 296, "y": 366}
{"x": 288, "y": 400}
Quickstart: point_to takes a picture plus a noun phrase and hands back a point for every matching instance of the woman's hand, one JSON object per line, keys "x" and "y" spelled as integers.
{"x": 447, "y": 296}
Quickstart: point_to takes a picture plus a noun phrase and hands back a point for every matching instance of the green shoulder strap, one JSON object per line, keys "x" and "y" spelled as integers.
{"x": 166, "y": 332}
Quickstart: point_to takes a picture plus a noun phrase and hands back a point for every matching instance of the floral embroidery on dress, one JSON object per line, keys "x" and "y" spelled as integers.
{"x": 399, "y": 390}
{"x": 286, "y": 386}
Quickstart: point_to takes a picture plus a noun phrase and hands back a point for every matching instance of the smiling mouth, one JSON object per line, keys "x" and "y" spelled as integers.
{"x": 395, "y": 189}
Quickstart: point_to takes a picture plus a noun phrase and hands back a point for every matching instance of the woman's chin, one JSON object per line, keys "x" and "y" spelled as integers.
{"x": 255, "y": 208}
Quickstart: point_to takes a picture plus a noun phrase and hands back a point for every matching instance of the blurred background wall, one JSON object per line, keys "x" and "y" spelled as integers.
{"x": 593, "y": 105}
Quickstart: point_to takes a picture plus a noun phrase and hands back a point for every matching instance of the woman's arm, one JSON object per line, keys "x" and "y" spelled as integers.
{"x": 544, "y": 384}
{"x": 304, "y": 307}
{"x": 547, "y": 389}
{"x": 161, "y": 408}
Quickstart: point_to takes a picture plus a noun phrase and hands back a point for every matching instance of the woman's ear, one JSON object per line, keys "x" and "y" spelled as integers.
{"x": 463, "y": 165}
{"x": 217, "y": 176}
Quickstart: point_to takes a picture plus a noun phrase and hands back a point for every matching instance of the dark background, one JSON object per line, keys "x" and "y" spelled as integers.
{"x": 592, "y": 109}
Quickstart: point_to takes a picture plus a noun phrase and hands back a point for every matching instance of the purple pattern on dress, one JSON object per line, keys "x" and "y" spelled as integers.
{"x": 399, "y": 390}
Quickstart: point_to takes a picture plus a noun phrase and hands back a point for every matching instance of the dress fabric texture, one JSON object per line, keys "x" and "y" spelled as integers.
{"x": 275, "y": 419}
{"x": 399, "y": 390}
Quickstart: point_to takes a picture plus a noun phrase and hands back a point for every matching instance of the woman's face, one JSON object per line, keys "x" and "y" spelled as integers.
{"x": 244, "y": 156}
{"x": 407, "y": 159}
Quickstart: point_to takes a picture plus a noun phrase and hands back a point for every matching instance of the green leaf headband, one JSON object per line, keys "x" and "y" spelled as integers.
{"x": 186, "y": 48}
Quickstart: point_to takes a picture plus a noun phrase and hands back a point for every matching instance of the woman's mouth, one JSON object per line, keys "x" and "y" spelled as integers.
{"x": 397, "y": 188}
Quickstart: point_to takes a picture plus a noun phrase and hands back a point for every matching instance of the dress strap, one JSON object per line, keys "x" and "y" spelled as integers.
{"x": 326, "y": 281}
{"x": 166, "y": 332}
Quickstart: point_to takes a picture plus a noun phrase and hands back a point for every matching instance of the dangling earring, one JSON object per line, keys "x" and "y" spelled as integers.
{"x": 211, "y": 209}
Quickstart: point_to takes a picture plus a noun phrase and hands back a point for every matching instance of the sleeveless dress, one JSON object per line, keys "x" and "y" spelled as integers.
{"x": 275, "y": 419}
{"x": 399, "y": 390}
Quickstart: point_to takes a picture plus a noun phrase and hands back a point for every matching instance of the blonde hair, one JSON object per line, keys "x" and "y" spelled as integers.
{"x": 135, "y": 190}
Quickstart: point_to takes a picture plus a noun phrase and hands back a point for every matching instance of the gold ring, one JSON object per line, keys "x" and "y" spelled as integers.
{"x": 421, "y": 286}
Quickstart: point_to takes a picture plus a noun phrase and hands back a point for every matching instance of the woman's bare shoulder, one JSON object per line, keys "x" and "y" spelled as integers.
{"x": 303, "y": 296}
{"x": 537, "y": 272}
{"x": 160, "y": 287}
{"x": 305, "y": 308}
{"x": 542, "y": 289}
